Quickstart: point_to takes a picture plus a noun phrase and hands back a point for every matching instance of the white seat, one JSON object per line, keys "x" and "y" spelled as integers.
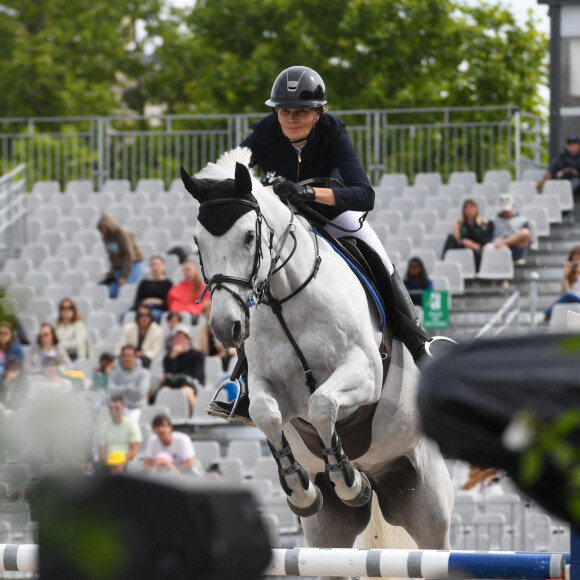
{"x": 98, "y": 294}
{"x": 161, "y": 238}
{"x": 496, "y": 264}
{"x": 88, "y": 213}
{"x": 418, "y": 193}
{"x": 266, "y": 468}
{"x": 76, "y": 279}
{"x": 207, "y": 452}
{"x": 383, "y": 231}
{"x": 177, "y": 186}
{"x": 214, "y": 372}
{"x": 540, "y": 216}
{"x": 559, "y": 317}
{"x": 551, "y": 202}
{"x": 232, "y": 470}
{"x": 489, "y": 531}
{"x": 88, "y": 237}
{"x": 120, "y": 211}
{"x": 405, "y": 206}
{"x": 40, "y": 280}
{"x": 534, "y": 239}
{"x": 454, "y": 192}
{"x": 9, "y": 278}
{"x": 84, "y": 306}
{"x": 19, "y": 267}
{"x": 150, "y": 187}
{"x": 63, "y": 202}
{"x": 34, "y": 226}
{"x": 45, "y": 188}
{"x": 94, "y": 266}
{"x": 52, "y": 238}
{"x": 453, "y": 272}
{"x": 82, "y": 188}
{"x": 401, "y": 244}
{"x": 118, "y": 187}
{"x": 464, "y": 257}
{"x": 435, "y": 242}
{"x": 500, "y": 176}
{"x": 149, "y": 412}
{"x": 426, "y": 216}
{"x": 563, "y": 189}
{"x": 35, "y": 252}
{"x": 465, "y": 178}
{"x": 443, "y": 227}
{"x": 101, "y": 321}
{"x": 139, "y": 225}
{"x": 248, "y": 450}
{"x": 440, "y": 204}
{"x": 431, "y": 180}
{"x": 173, "y": 223}
{"x": 441, "y": 283}
{"x": 490, "y": 190}
{"x": 176, "y": 401}
{"x": 384, "y": 194}
{"x": 155, "y": 210}
{"x": 136, "y": 201}
{"x": 29, "y": 322}
{"x": 48, "y": 214}
{"x": 69, "y": 225}
{"x": 22, "y": 294}
{"x": 415, "y": 230}
{"x": 397, "y": 181}
{"x": 391, "y": 217}
{"x": 56, "y": 266}
{"x": 104, "y": 200}
{"x": 200, "y": 417}
{"x": 535, "y": 175}
{"x": 527, "y": 189}
{"x": 57, "y": 292}
{"x": 72, "y": 252}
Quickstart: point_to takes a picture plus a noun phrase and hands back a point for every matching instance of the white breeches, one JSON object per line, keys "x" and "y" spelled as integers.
{"x": 350, "y": 220}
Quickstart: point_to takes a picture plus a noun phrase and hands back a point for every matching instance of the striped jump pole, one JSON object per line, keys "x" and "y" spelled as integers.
{"x": 440, "y": 564}
{"x": 18, "y": 558}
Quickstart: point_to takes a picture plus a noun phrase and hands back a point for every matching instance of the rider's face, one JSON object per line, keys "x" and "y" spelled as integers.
{"x": 296, "y": 124}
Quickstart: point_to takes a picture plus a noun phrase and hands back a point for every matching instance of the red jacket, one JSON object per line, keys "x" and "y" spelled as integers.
{"x": 181, "y": 298}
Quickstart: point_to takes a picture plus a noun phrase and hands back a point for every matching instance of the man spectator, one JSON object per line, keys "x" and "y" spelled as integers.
{"x": 130, "y": 381}
{"x": 509, "y": 229}
{"x": 167, "y": 448}
{"x": 119, "y": 433}
{"x": 567, "y": 164}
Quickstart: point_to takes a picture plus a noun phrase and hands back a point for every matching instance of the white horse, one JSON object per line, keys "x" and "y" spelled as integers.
{"x": 314, "y": 368}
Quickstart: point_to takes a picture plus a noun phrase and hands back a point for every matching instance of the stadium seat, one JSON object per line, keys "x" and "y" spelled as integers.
{"x": 136, "y": 201}
{"x": 45, "y": 189}
{"x": 42, "y": 308}
{"x": 391, "y": 217}
{"x": 401, "y": 244}
{"x": 150, "y": 187}
{"x": 63, "y": 202}
{"x": 140, "y": 225}
{"x": 384, "y": 194}
{"x": 444, "y": 227}
{"x": 415, "y": 230}
{"x": 426, "y": 216}
{"x": 440, "y": 204}
{"x": 121, "y": 212}
{"x": 454, "y": 192}
{"x": 465, "y": 178}
{"x": 7, "y": 279}
{"x": 174, "y": 223}
{"x": 149, "y": 412}
{"x": 464, "y": 257}
{"x": 101, "y": 321}
{"x": 72, "y": 252}
{"x": 48, "y": 214}
{"x": 162, "y": 238}
{"x": 397, "y": 181}
{"x": 427, "y": 256}
{"x": 527, "y": 189}
{"x": 40, "y": 280}
{"x": 248, "y": 450}
{"x": 232, "y": 470}
{"x": 559, "y": 318}
{"x": 155, "y": 210}
{"x": 405, "y": 206}
{"x": 57, "y": 292}
{"x": 76, "y": 279}
{"x": 21, "y": 293}
{"x": 104, "y": 200}
{"x": 563, "y": 189}
{"x": 490, "y": 528}
{"x": 435, "y": 242}
{"x": 56, "y": 266}
{"x": 490, "y": 190}
{"x": 176, "y": 186}
{"x": 82, "y": 188}
{"x": 453, "y": 272}
{"x": 431, "y": 180}
{"x": 84, "y": 306}
{"x": 88, "y": 214}
{"x": 502, "y": 177}
{"x": 207, "y": 452}
{"x": 17, "y": 515}
{"x": 200, "y": 417}
{"x": 551, "y": 202}
{"x": 418, "y": 193}
{"x": 52, "y": 238}
{"x": 89, "y": 236}
{"x": 540, "y": 216}
{"x": 496, "y": 264}
{"x": 176, "y": 400}
{"x": 117, "y": 187}
{"x": 535, "y": 175}
{"x": 94, "y": 266}
{"x": 97, "y": 294}
{"x": 35, "y": 252}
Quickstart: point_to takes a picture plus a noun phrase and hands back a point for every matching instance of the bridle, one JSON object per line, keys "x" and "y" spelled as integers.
{"x": 260, "y": 292}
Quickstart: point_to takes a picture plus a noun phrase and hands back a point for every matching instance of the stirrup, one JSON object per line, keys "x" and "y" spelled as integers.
{"x": 437, "y": 339}
{"x": 222, "y": 409}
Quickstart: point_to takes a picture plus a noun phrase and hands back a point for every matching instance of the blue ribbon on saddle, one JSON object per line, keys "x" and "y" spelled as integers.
{"x": 363, "y": 280}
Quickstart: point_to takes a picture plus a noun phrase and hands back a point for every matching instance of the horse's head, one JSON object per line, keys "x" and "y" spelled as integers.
{"x": 234, "y": 255}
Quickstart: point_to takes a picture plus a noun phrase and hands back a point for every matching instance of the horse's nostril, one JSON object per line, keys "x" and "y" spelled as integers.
{"x": 237, "y": 331}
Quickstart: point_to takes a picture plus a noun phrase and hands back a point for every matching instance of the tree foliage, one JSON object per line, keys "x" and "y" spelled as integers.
{"x": 84, "y": 57}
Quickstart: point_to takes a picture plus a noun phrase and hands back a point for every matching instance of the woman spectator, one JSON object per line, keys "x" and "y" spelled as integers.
{"x": 152, "y": 291}
{"x": 47, "y": 344}
{"x": 13, "y": 385}
{"x": 570, "y": 281}
{"x": 9, "y": 345}
{"x": 72, "y": 331}
{"x": 416, "y": 280}
{"x": 183, "y": 296}
{"x": 206, "y": 342}
{"x": 471, "y": 232}
{"x": 145, "y": 335}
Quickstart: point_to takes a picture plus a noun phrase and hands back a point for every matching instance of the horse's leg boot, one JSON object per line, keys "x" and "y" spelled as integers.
{"x": 407, "y": 326}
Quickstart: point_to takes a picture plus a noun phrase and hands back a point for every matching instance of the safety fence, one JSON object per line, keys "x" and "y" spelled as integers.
{"x": 392, "y": 140}
{"x": 12, "y": 211}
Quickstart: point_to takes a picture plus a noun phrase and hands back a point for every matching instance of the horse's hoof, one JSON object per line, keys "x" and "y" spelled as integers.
{"x": 310, "y": 510}
{"x": 364, "y": 495}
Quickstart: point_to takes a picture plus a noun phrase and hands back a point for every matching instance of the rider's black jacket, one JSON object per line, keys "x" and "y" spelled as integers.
{"x": 329, "y": 152}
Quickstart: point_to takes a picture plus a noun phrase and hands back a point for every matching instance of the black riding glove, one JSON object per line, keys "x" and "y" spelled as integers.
{"x": 288, "y": 191}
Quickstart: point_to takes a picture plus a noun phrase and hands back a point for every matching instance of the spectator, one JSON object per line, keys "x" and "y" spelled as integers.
{"x": 567, "y": 164}
{"x": 173, "y": 319}
{"x": 206, "y": 342}
{"x": 102, "y": 372}
{"x": 183, "y": 366}
{"x": 116, "y": 463}
{"x": 47, "y": 344}
{"x": 130, "y": 381}
{"x": 118, "y": 433}
{"x": 183, "y": 296}
{"x": 152, "y": 291}
{"x": 483, "y": 483}
{"x": 416, "y": 280}
{"x": 469, "y": 232}
{"x": 72, "y": 331}
{"x": 144, "y": 334}
{"x": 13, "y": 385}
{"x": 125, "y": 256}
{"x": 165, "y": 440}
{"x": 51, "y": 379}
{"x": 509, "y": 229}
{"x": 9, "y": 345}
{"x": 570, "y": 281}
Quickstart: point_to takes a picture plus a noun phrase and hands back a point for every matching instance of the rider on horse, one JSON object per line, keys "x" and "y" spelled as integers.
{"x": 300, "y": 141}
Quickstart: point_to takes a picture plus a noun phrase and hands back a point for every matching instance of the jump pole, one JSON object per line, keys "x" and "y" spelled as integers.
{"x": 440, "y": 564}
{"x": 18, "y": 558}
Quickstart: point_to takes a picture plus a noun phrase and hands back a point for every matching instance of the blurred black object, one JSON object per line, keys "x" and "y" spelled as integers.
{"x": 469, "y": 397}
{"x": 129, "y": 528}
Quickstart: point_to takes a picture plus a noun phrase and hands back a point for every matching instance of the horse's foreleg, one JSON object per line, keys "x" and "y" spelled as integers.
{"x": 304, "y": 497}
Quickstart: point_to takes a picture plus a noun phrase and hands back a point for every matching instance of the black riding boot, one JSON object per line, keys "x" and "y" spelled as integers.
{"x": 406, "y": 323}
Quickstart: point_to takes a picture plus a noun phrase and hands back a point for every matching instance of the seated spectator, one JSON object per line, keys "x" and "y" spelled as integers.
{"x": 72, "y": 331}
{"x": 206, "y": 341}
{"x": 116, "y": 463}
{"x": 183, "y": 296}
{"x": 509, "y": 229}
{"x": 416, "y": 280}
{"x": 483, "y": 483}
{"x": 183, "y": 366}
{"x": 13, "y": 385}
{"x": 570, "y": 281}
{"x": 51, "y": 379}
{"x": 152, "y": 291}
{"x": 469, "y": 232}
{"x": 131, "y": 381}
{"x": 177, "y": 446}
{"x": 47, "y": 344}
{"x": 102, "y": 372}
{"x": 144, "y": 334}
{"x": 125, "y": 256}
{"x": 567, "y": 164}
{"x": 118, "y": 433}
{"x": 173, "y": 319}
{"x": 9, "y": 345}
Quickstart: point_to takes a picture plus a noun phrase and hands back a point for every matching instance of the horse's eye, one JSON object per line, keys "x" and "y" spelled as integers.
{"x": 250, "y": 237}
{"x": 195, "y": 241}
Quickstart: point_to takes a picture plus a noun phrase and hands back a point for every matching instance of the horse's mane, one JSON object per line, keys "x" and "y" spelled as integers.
{"x": 225, "y": 166}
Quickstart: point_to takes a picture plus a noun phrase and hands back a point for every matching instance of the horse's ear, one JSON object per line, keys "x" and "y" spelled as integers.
{"x": 197, "y": 187}
{"x": 243, "y": 179}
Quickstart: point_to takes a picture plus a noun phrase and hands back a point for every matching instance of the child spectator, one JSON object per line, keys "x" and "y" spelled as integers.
{"x": 102, "y": 372}
{"x": 416, "y": 280}
{"x": 72, "y": 331}
{"x": 173, "y": 319}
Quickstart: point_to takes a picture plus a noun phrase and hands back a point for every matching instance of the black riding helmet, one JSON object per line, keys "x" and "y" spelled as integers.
{"x": 298, "y": 87}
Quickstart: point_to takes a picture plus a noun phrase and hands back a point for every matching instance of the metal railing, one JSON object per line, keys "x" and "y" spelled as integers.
{"x": 392, "y": 140}
{"x": 12, "y": 211}
{"x": 507, "y": 316}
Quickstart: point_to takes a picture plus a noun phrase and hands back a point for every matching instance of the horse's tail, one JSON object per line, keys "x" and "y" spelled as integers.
{"x": 379, "y": 534}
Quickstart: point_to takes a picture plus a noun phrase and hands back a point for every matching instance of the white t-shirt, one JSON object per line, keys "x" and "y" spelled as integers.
{"x": 180, "y": 448}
